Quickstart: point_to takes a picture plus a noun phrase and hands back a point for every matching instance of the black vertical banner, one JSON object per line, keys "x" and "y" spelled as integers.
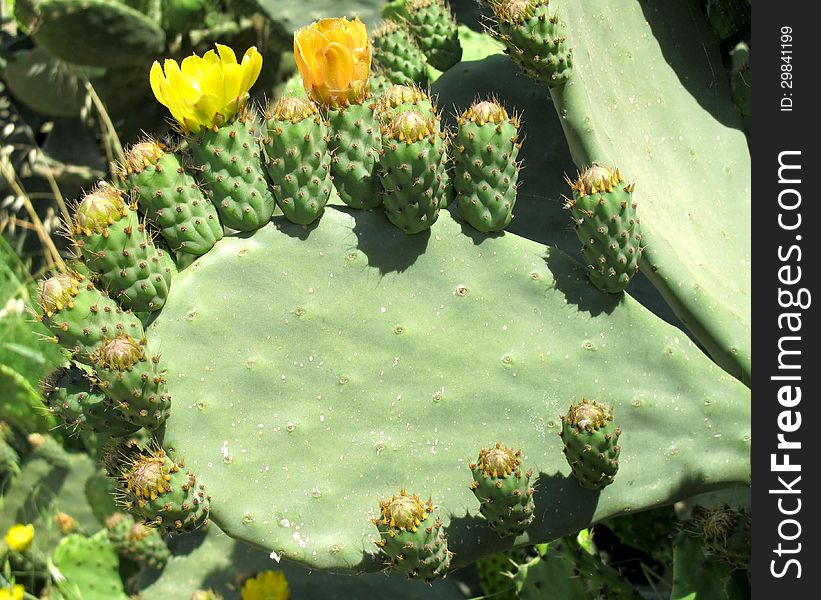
{"x": 786, "y": 331}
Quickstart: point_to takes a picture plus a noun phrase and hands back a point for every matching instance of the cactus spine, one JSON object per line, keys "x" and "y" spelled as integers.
{"x": 80, "y": 316}
{"x": 411, "y": 538}
{"x": 396, "y": 52}
{"x": 591, "y": 443}
{"x": 504, "y": 492}
{"x": 157, "y": 489}
{"x": 171, "y": 199}
{"x": 727, "y": 534}
{"x": 228, "y": 158}
{"x": 535, "y": 39}
{"x": 298, "y": 160}
{"x": 604, "y": 215}
{"x": 135, "y": 382}
{"x": 117, "y": 247}
{"x": 436, "y": 32}
{"x": 486, "y": 172}
{"x": 413, "y": 168}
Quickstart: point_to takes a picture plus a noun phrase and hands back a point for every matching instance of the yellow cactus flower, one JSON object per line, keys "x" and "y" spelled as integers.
{"x": 334, "y": 59}
{"x": 15, "y": 592}
{"x": 19, "y": 537}
{"x": 268, "y": 585}
{"x": 207, "y": 91}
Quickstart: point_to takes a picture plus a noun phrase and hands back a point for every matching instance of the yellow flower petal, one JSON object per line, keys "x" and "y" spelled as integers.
{"x": 227, "y": 54}
{"x": 19, "y": 537}
{"x": 17, "y": 592}
{"x": 339, "y": 66}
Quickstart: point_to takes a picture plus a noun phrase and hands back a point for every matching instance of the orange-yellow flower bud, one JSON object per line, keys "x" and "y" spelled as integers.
{"x": 334, "y": 59}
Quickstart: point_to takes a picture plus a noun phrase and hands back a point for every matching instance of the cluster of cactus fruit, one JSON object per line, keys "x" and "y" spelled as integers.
{"x": 392, "y": 152}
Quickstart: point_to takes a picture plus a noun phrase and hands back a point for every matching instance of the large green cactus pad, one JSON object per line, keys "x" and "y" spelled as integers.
{"x": 656, "y": 101}
{"x": 315, "y": 371}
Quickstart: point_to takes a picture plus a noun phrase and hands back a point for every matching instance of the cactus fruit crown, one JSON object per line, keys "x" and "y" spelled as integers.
{"x": 415, "y": 5}
{"x": 487, "y": 111}
{"x": 58, "y": 292}
{"x": 589, "y": 415}
{"x": 499, "y": 461}
{"x": 401, "y": 94}
{"x": 148, "y": 476}
{"x": 98, "y": 209}
{"x": 410, "y": 126}
{"x": 715, "y": 524}
{"x": 294, "y": 109}
{"x": 403, "y": 511}
{"x": 388, "y": 26}
{"x": 140, "y": 156}
{"x": 516, "y": 11}
{"x": 120, "y": 353}
{"x": 598, "y": 179}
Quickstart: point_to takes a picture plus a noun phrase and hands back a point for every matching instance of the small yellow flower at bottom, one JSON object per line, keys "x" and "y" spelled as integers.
{"x": 14, "y": 593}
{"x": 19, "y": 537}
{"x": 268, "y": 585}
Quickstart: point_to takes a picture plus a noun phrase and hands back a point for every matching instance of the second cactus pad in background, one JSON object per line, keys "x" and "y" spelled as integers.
{"x": 591, "y": 443}
{"x": 604, "y": 215}
{"x": 485, "y": 149}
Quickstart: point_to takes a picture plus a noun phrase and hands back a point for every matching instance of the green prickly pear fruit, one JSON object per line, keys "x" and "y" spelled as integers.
{"x": 137, "y": 542}
{"x": 135, "y": 382}
{"x": 298, "y": 159}
{"x": 80, "y": 316}
{"x": 414, "y": 542}
{"x": 591, "y": 443}
{"x": 504, "y": 492}
{"x": 118, "y": 248}
{"x": 604, "y": 214}
{"x": 436, "y": 32}
{"x": 355, "y": 144}
{"x": 486, "y": 172}
{"x": 73, "y": 399}
{"x": 396, "y": 52}
{"x": 412, "y": 170}
{"x": 162, "y": 493}
{"x": 727, "y": 534}
{"x": 228, "y": 158}
{"x": 534, "y": 38}
{"x": 170, "y": 198}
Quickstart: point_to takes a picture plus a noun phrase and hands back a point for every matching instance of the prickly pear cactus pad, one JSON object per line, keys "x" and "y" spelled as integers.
{"x": 367, "y": 362}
